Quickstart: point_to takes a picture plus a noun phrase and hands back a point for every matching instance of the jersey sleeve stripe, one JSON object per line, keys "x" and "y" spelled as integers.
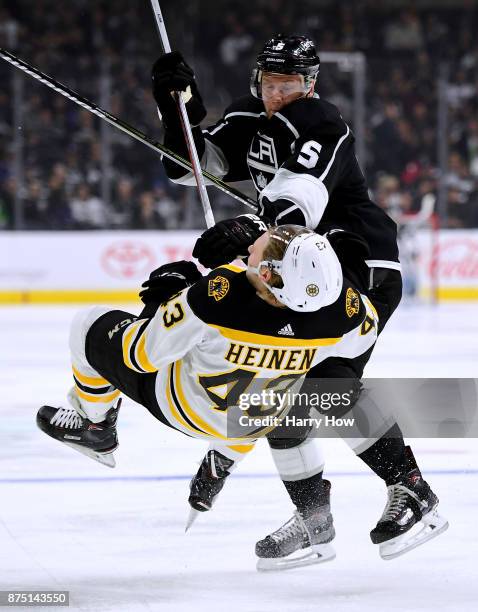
{"x": 242, "y": 114}
{"x": 134, "y": 348}
{"x": 287, "y": 211}
{"x": 366, "y": 300}
{"x": 288, "y": 124}
{"x": 215, "y": 130}
{"x": 242, "y": 336}
{"x": 383, "y": 263}
{"x": 332, "y": 159}
{"x": 128, "y": 349}
{"x": 142, "y": 357}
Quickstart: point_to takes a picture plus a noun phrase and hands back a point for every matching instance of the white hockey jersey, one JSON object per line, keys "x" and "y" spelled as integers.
{"x": 217, "y": 342}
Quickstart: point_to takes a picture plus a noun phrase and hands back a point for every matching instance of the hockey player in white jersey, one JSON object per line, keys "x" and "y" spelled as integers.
{"x": 222, "y": 331}
{"x": 299, "y": 153}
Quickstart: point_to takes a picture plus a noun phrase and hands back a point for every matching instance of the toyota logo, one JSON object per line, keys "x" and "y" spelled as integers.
{"x": 128, "y": 259}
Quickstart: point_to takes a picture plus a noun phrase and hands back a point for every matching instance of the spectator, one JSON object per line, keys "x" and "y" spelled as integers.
{"x": 146, "y": 216}
{"x": 88, "y": 211}
{"x": 78, "y": 44}
{"x": 123, "y": 204}
{"x": 6, "y": 204}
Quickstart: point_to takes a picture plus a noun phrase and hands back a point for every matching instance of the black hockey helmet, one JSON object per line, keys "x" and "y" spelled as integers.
{"x": 286, "y": 54}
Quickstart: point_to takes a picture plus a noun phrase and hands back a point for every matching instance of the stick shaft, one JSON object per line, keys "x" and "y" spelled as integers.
{"x": 188, "y": 134}
{"x": 121, "y": 125}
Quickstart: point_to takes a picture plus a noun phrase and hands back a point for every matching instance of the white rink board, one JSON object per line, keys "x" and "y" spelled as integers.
{"x": 87, "y": 260}
{"x": 448, "y": 258}
{"x": 120, "y": 261}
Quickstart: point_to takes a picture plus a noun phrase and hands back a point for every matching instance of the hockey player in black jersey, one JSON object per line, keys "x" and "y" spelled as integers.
{"x": 299, "y": 153}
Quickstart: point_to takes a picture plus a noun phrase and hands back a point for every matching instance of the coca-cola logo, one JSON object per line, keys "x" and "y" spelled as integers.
{"x": 127, "y": 260}
{"x": 455, "y": 259}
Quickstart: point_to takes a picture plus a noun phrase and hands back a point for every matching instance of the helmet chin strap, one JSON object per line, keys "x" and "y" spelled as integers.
{"x": 273, "y": 266}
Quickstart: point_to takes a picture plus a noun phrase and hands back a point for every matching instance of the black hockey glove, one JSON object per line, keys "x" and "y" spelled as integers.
{"x": 166, "y": 281}
{"x": 228, "y": 239}
{"x": 171, "y": 73}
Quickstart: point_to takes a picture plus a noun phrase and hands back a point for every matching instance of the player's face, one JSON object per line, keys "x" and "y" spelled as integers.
{"x": 256, "y": 250}
{"x": 278, "y": 90}
{"x": 256, "y": 255}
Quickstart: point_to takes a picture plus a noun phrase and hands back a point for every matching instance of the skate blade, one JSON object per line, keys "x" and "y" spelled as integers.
{"x": 193, "y": 514}
{"x": 431, "y": 526}
{"x": 103, "y": 458}
{"x": 319, "y": 553}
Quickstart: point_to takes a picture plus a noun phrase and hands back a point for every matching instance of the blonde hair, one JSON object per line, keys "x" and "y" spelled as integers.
{"x": 279, "y": 239}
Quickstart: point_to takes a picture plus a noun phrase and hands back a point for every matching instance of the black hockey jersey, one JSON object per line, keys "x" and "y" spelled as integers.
{"x": 303, "y": 165}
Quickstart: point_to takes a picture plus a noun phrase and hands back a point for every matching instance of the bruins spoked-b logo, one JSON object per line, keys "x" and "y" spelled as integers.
{"x": 352, "y": 302}
{"x": 312, "y": 290}
{"x": 218, "y": 288}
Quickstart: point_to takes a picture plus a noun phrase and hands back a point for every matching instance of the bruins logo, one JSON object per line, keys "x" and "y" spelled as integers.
{"x": 312, "y": 290}
{"x": 352, "y": 302}
{"x": 218, "y": 288}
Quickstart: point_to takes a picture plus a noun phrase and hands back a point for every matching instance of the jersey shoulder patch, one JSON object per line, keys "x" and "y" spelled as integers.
{"x": 348, "y": 311}
{"x": 218, "y": 292}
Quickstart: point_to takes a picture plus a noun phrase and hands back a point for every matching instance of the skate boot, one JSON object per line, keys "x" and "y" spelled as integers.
{"x": 303, "y": 540}
{"x": 410, "y": 517}
{"x": 95, "y": 440}
{"x": 207, "y": 483}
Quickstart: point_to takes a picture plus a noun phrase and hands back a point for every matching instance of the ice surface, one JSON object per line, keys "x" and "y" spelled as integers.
{"x": 115, "y": 538}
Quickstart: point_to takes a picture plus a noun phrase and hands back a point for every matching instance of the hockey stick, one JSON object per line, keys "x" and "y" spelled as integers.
{"x": 122, "y": 125}
{"x": 188, "y": 134}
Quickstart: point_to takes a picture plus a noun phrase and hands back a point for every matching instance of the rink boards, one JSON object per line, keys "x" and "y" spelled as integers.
{"x": 109, "y": 267}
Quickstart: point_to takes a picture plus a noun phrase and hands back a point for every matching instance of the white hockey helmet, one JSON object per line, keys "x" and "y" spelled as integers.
{"x": 311, "y": 273}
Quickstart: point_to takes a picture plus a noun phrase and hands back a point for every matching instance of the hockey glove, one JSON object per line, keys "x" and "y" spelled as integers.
{"x": 171, "y": 73}
{"x": 228, "y": 239}
{"x": 166, "y": 281}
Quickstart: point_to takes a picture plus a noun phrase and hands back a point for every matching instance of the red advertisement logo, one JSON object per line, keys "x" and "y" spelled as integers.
{"x": 127, "y": 260}
{"x": 456, "y": 259}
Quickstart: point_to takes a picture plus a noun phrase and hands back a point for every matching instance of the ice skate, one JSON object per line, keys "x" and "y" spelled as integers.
{"x": 95, "y": 440}
{"x": 410, "y": 518}
{"x": 301, "y": 541}
{"x": 207, "y": 483}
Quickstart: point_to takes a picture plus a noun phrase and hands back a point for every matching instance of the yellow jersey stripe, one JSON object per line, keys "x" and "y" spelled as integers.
{"x": 242, "y": 336}
{"x": 91, "y": 381}
{"x": 142, "y": 357}
{"x": 241, "y": 448}
{"x": 172, "y": 406}
{"x": 89, "y": 397}
{"x": 372, "y": 307}
{"x": 195, "y": 418}
{"x": 127, "y": 342}
{"x": 232, "y": 267}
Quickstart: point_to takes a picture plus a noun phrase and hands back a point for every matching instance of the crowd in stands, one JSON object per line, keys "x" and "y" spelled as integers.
{"x": 105, "y": 50}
